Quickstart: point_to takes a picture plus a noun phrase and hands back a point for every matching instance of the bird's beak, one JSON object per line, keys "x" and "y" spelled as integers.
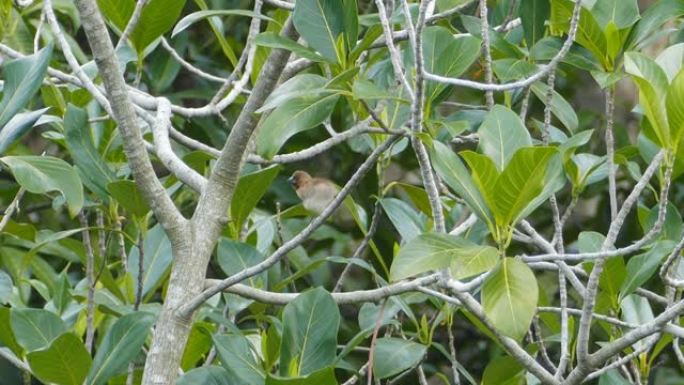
{"x": 291, "y": 179}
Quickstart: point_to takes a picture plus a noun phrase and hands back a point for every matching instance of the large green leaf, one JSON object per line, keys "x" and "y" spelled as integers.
{"x": 394, "y": 355}
{"x": 248, "y": 192}
{"x": 675, "y": 108}
{"x": 127, "y": 194}
{"x": 274, "y": 40}
{"x": 43, "y": 174}
{"x": 640, "y": 268}
{"x": 504, "y": 370}
{"x": 234, "y": 256}
{"x": 206, "y": 375}
{"x": 445, "y": 55}
{"x": 404, "y": 218}
{"x": 238, "y": 359}
{"x": 296, "y": 115}
{"x": 194, "y": 17}
{"x": 652, "y": 83}
{"x": 120, "y": 345}
{"x": 157, "y": 17}
{"x": 325, "y": 376}
{"x": 300, "y": 85}
{"x": 589, "y": 32}
{"x": 434, "y": 251}
{"x": 509, "y": 297}
{"x": 35, "y": 328}
{"x": 65, "y": 362}
{"x": 533, "y": 15}
{"x": 310, "y": 324}
{"x": 95, "y": 172}
{"x": 501, "y": 134}
{"x": 622, "y": 13}
{"x": 450, "y": 168}
{"x": 157, "y": 257}
{"x": 653, "y": 18}
{"x": 485, "y": 175}
{"x": 521, "y": 182}
{"x": 320, "y": 22}
{"x": 23, "y": 78}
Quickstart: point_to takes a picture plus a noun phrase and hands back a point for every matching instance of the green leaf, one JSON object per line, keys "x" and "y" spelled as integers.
{"x": 128, "y": 196}
{"x": 248, "y": 192}
{"x": 65, "y": 362}
{"x": 450, "y": 168}
{"x": 238, "y": 359}
{"x": 501, "y": 134}
{"x": 43, "y": 174}
{"x": 274, "y": 40}
{"x": 23, "y": 78}
{"x": 157, "y": 17}
{"x": 446, "y": 55}
{"x": 533, "y": 15}
{"x": 35, "y": 328}
{"x": 652, "y": 83}
{"x": 394, "y": 355}
{"x": 434, "y": 251}
{"x": 120, "y": 345}
{"x": 559, "y": 106}
{"x": 509, "y": 298}
{"x": 194, "y": 17}
{"x": 95, "y": 172}
{"x": 6, "y": 286}
{"x": 504, "y": 370}
{"x": 325, "y": 376}
{"x": 297, "y": 86}
{"x": 310, "y": 324}
{"x": 320, "y": 22}
{"x": 612, "y": 377}
{"x": 589, "y": 33}
{"x": 7, "y": 337}
{"x": 640, "y": 268}
{"x": 675, "y": 108}
{"x": 157, "y": 258}
{"x": 351, "y": 23}
{"x": 206, "y": 375}
{"x": 622, "y": 13}
{"x": 653, "y": 18}
{"x": 234, "y": 256}
{"x": 485, "y": 175}
{"x": 404, "y": 218}
{"x": 296, "y": 115}
{"x": 521, "y": 181}
{"x": 17, "y": 126}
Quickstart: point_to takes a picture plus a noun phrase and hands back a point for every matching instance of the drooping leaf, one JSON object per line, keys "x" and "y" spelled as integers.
{"x": 248, "y": 192}
{"x": 17, "y": 126}
{"x": 206, "y": 375}
{"x": 320, "y": 22}
{"x": 120, "y": 345}
{"x": 450, "y": 168}
{"x": 434, "y": 251}
{"x": 310, "y": 324}
{"x": 194, "y": 17}
{"x": 394, "y": 355}
{"x": 95, "y": 172}
{"x": 43, "y": 174}
{"x": 296, "y": 115}
{"x": 238, "y": 359}
{"x": 23, "y": 78}
{"x": 128, "y": 196}
{"x": 300, "y": 85}
{"x": 559, "y": 106}
{"x": 65, "y": 362}
{"x": 35, "y": 328}
{"x": 404, "y": 218}
{"x": 501, "y": 134}
{"x": 533, "y": 15}
{"x": 509, "y": 297}
{"x": 157, "y": 257}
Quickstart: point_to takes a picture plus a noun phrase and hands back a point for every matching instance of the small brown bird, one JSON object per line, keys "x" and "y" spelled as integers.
{"x": 315, "y": 193}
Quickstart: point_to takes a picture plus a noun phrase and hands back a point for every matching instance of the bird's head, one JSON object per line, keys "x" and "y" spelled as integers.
{"x": 299, "y": 179}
